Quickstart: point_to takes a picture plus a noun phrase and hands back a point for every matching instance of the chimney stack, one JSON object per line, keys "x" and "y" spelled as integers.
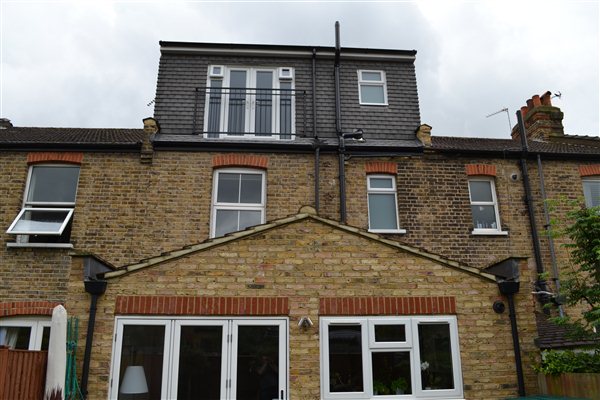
{"x": 542, "y": 119}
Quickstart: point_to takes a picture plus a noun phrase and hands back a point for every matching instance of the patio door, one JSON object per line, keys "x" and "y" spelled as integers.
{"x": 243, "y": 359}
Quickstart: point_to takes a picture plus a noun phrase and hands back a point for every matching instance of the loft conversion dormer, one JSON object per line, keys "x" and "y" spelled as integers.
{"x": 218, "y": 95}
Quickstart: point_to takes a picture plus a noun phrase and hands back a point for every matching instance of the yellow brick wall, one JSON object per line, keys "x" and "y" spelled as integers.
{"x": 306, "y": 261}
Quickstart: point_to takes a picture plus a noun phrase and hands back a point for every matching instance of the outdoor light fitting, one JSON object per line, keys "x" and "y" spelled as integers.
{"x": 357, "y": 135}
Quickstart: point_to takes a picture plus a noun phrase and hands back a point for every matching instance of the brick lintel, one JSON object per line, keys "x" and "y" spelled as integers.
{"x": 413, "y": 305}
{"x": 58, "y": 157}
{"x": 480, "y": 169}
{"x": 381, "y": 167}
{"x": 199, "y": 305}
{"x": 14, "y": 308}
{"x": 240, "y": 160}
{"x": 589, "y": 170}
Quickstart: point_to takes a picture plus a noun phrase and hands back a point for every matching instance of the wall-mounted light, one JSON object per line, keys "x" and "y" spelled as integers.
{"x": 356, "y": 135}
{"x": 305, "y": 323}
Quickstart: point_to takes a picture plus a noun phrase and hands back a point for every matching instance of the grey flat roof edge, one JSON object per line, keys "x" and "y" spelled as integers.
{"x": 284, "y": 50}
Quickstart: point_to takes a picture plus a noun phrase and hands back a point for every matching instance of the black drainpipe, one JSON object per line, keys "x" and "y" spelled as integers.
{"x": 507, "y": 277}
{"x": 315, "y": 135}
{"x": 96, "y": 288}
{"x": 338, "y": 126}
{"x": 540, "y": 283}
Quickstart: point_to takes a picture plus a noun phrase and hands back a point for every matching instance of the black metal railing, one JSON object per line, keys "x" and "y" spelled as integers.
{"x": 255, "y": 112}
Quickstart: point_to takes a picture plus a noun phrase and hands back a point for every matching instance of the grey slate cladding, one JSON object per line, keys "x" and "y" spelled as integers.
{"x": 180, "y": 74}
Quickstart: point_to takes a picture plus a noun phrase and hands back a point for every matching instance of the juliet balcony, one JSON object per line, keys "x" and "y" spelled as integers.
{"x": 250, "y": 113}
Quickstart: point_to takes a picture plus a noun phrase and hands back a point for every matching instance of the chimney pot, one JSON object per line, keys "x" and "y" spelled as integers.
{"x": 536, "y": 101}
{"x": 524, "y": 111}
{"x": 546, "y": 99}
{"x": 530, "y": 104}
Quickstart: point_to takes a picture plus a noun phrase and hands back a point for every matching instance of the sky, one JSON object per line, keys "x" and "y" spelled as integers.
{"x": 94, "y": 63}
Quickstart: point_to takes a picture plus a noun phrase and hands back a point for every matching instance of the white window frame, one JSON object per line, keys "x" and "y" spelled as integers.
{"x": 172, "y": 345}
{"x": 381, "y": 83}
{"x": 23, "y": 236}
{"x": 237, "y": 206}
{"x": 586, "y": 192}
{"x": 486, "y": 231}
{"x": 250, "y": 104}
{"x": 36, "y": 324}
{"x": 388, "y": 191}
{"x": 411, "y": 345}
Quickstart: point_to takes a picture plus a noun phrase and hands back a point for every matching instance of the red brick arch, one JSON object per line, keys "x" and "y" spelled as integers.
{"x": 589, "y": 170}
{"x": 240, "y": 160}
{"x": 59, "y": 157}
{"x": 14, "y": 308}
{"x": 480, "y": 169}
{"x": 381, "y": 167}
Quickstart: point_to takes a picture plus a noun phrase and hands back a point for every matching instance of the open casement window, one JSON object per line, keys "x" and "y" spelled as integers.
{"x": 25, "y": 333}
{"x": 591, "y": 191}
{"x": 256, "y": 103}
{"x": 48, "y": 206}
{"x": 484, "y": 206}
{"x": 200, "y": 358}
{"x": 383, "y": 205}
{"x": 238, "y": 200}
{"x": 372, "y": 88}
{"x": 390, "y": 357}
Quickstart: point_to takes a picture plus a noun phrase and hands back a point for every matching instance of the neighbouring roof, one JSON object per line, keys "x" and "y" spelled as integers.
{"x": 481, "y": 145}
{"x": 552, "y": 336}
{"x": 30, "y": 137}
{"x": 306, "y": 213}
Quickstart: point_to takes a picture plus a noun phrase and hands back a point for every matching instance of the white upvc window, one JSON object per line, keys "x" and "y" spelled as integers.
{"x": 390, "y": 358}
{"x": 372, "y": 87}
{"x": 238, "y": 200}
{"x": 591, "y": 191}
{"x": 484, "y": 207}
{"x": 25, "y": 333}
{"x": 250, "y": 103}
{"x": 48, "y": 205}
{"x": 193, "y": 358}
{"x": 383, "y": 204}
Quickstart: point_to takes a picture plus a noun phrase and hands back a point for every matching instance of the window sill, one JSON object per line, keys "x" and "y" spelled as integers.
{"x": 397, "y": 231}
{"x": 488, "y": 232}
{"x": 375, "y": 104}
{"x": 40, "y": 245}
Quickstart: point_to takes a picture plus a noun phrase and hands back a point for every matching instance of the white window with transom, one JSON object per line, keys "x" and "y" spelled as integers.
{"x": 390, "y": 358}
{"x": 250, "y": 102}
{"x": 48, "y": 206}
{"x": 484, "y": 206}
{"x": 591, "y": 191}
{"x": 372, "y": 88}
{"x": 238, "y": 200}
{"x": 25, "y": 333}
{"x": 383, "y": 204}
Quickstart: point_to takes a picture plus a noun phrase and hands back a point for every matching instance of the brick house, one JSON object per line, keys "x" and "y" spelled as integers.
{"x": 285, "y": 227}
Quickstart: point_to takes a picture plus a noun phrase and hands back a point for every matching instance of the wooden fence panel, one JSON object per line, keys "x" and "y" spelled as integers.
{"x": 22, "y": 374}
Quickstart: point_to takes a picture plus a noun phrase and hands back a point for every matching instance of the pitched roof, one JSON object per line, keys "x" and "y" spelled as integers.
{"x": 70, "y": 137}
{"x": 306, "y": 213}
{"x": 552, "y": 336}
{"x": 481, "y": 145}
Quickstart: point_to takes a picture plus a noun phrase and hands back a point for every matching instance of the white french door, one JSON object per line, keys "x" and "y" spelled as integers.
{"x": 190, "y": 358}
{"x": 250, "y": 102}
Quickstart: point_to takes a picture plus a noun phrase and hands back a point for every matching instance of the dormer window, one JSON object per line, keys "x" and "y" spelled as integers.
{"x": 372, "y": 88}
{"x": 255, "y": 103}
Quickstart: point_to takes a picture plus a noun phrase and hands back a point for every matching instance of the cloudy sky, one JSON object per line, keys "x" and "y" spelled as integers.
{"x": 94, "y": 63}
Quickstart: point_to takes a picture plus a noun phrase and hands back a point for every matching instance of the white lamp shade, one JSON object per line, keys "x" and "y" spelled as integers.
{"x": 134, "y": 380}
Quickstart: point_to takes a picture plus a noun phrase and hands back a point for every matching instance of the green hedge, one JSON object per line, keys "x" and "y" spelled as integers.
{"x": 558, "y": 361}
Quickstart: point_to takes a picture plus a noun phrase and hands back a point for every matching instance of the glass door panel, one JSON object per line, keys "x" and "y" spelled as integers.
{"x": 236, "y": 121}
{"x": 259, "y": 364}
{"x": 141, "y": 365}
{"x": 200, "y": 360}
{"x": 263, "y": 115}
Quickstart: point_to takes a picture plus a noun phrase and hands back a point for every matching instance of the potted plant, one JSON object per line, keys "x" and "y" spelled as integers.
{"x": 399, "y": 386}
{"x": 379, "y": 388}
